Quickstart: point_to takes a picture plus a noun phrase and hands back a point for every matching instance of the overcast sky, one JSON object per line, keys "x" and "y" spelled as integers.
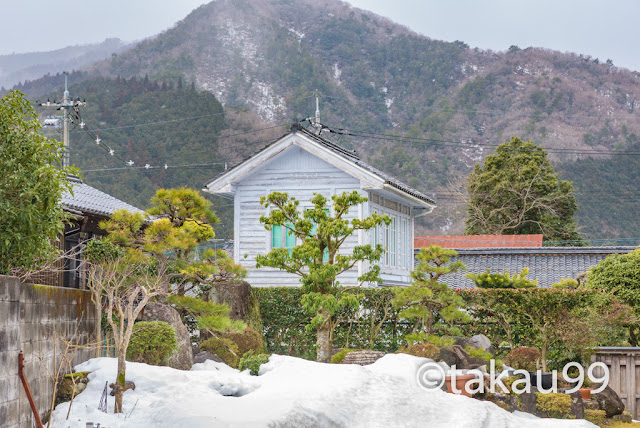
{"x": 604, "y": 29}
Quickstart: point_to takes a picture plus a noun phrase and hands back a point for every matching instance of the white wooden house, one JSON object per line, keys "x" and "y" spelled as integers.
{"x": 302, "y": 163}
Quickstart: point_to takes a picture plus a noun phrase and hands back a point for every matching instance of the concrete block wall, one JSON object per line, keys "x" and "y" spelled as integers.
{"x": 31, "y": 317}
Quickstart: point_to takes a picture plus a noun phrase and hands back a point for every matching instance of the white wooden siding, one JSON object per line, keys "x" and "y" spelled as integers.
{"x": 300, "y": 174}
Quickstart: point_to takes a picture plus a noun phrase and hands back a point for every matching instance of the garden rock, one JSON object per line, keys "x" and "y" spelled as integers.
{"x": 362, "y": 358}
{"x": 479, "y": 341}
{"x": 608, "y": 401}
{"x": 236, "y": 294}
{"x": 456, "y": 355}
{"x": 182, "y": 358}
{"x": 203, "y": 356}
{"x": 71, "y": 385}
{"x": 528, "y": 402}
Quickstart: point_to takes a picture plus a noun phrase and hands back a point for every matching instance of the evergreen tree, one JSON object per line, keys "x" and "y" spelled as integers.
{"x": 31, "y": 188}
{"x": 516, "y": 191}
{"x": 316, "y": 259}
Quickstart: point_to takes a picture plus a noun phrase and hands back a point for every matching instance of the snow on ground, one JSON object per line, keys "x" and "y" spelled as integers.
{"x": 290, "y": 392}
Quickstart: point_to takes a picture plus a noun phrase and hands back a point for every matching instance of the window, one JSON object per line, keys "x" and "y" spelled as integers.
{"x": 392, "y": 246}
{"x": 403, "y": 247}
{"x": 325, "y": 256}
{"x": 385, "y": 244}
{"x": 281, "y": 237}
{"x": 409, "y": 244}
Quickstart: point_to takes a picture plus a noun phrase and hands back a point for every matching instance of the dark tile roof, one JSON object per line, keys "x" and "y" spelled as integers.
{"x": 547, "y": 264}
{"x": 478, "y": 241}
{"x": 350, "y": 155}
{"x": 89, "y": 200}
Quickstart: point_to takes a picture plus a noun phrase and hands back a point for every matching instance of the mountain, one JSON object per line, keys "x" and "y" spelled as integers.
{"x": 421, "y": 109}
{"x": 17, "y": 68}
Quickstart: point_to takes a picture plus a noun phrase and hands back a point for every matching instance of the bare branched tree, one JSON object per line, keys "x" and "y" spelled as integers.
{"x": 126, "y": 285}
{"x": 44, "y": 269}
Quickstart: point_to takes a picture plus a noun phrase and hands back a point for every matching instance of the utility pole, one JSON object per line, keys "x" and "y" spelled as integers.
{"x": 66, "y": 105}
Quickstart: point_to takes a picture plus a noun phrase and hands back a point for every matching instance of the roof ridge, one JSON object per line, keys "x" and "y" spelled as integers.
{"x": 350, "y": 153}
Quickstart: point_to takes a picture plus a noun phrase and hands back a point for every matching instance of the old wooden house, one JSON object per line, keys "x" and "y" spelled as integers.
{"x": 302, "y": 163}
{"x": 88, "y": 206}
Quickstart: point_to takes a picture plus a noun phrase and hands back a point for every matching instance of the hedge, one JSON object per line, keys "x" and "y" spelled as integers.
{"x": 284, "y": 320}
{"x": 367, "y": 327}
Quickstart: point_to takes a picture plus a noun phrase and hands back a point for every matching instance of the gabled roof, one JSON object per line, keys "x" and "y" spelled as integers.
{"x": 478, "y": 241}
{"x": 546, "y": 264}
{"x": 89, "y": 200}
{"x": 349, "y": 156}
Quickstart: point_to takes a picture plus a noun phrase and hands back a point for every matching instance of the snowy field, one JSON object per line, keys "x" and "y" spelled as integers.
{"x": 290, "y": 392}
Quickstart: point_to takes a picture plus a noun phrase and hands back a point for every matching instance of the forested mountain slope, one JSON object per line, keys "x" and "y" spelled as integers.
{"x": 378, "y": 80}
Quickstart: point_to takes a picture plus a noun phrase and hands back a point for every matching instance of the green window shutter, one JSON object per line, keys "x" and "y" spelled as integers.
{"x": 276, "y": 237}
{"x": 325, "y": 256}
{"x": 290, "y": 239}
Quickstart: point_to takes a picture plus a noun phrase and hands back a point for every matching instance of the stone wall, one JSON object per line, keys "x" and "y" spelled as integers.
{"x": 29, "y": 316}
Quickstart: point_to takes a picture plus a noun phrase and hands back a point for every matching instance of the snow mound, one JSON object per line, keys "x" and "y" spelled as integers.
{"x": 290, "y": 392}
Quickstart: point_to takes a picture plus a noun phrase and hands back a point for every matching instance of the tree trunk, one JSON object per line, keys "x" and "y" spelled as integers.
{"x": 543, "y": 357}
{"x": 323, "y": 341}
{"x": 633, "y": 338}
{"x": 119, "y": 384}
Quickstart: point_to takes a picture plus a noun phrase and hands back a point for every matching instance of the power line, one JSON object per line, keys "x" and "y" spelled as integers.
{"x": 441, "y": 142}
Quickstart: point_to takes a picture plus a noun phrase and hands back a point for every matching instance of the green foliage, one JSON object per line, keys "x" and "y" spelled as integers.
{"x": 374, "y": 324}
{"x": 230, "y": 346}
{"x": 339, "y": 357}
{"x": 252, "y": 362}
{"x": 178, "y": 222}
{"x": 151, "y": 342}
{"x": 432, "y": 304}
{"x": 424, "y": 350}
{"x": 619, "y": 274}
{"x": 31, "y": 188}
{"x": 596, "y": 417}
{"x": 317, "y": 260}
{"x": 209, "y": 316}
{"x": 246, "y": 340}
{"x": 223, "y": 348}
{"x": 516, "y": 191}
{"x": 523, "y": 358}
{"x": 555, "y": 405}
{"x": 102, "y": 251}
{"x": 603, "y": 213}
{"x": 569, "y": 283}
{"x": 574, "y": 320}
{"x": 502, "y": 280}
{"x": 481, "y": 354}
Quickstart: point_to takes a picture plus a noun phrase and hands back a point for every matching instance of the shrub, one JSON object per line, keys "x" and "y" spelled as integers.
{"x": 252, "y": 362}
{"x": 596, "y": 417}
{"x": 481, "y": 354}
{"x": 502, "y": 280}
{"x": 555, "y": 405}
{"x": 339, "y": 357}
{"x": 224, "y": 348}
{"x": 523, "y": 358}
{"x": 151, "y": 342}
{"x": 568, "y": 283}
{"x": 424, "y": 350}
{"x": 246, "y": 340}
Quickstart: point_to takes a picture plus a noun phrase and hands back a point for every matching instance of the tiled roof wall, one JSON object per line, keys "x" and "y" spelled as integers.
{"x": 547, "y": 264}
